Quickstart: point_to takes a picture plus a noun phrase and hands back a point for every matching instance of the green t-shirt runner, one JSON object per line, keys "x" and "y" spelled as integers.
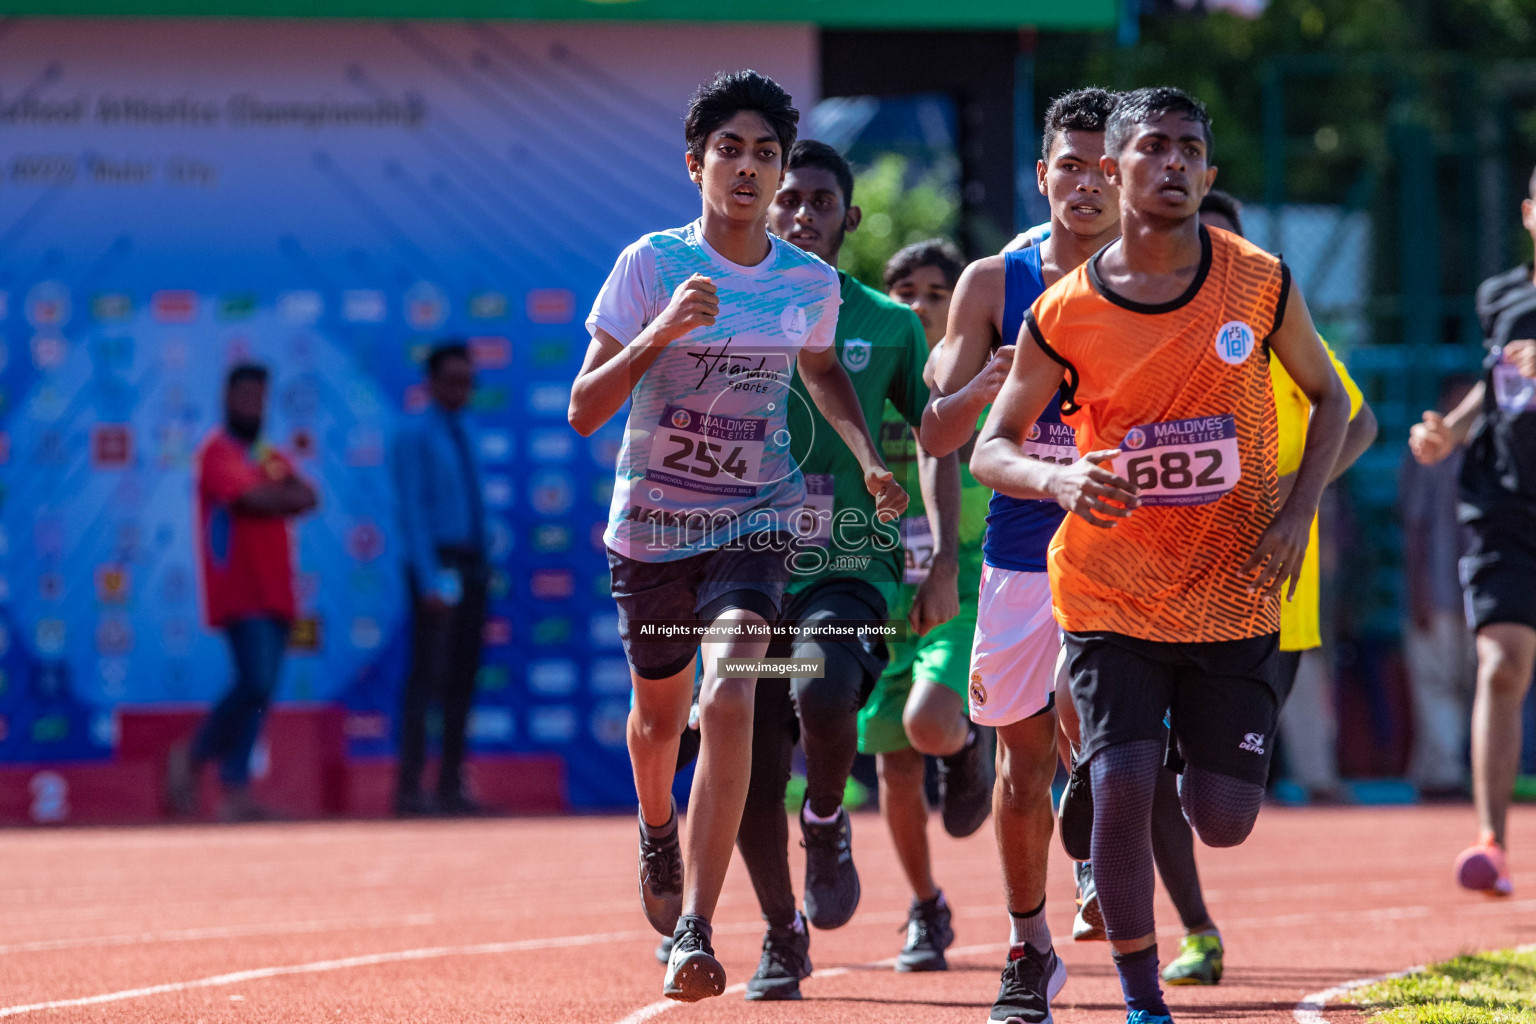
{"x": 880, "y": 343}
{"x": 943, "y": 654}
{"x": 899, "y": 449}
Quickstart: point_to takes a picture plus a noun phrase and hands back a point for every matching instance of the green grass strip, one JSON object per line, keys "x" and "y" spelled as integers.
{"x": 1481, "y": 988}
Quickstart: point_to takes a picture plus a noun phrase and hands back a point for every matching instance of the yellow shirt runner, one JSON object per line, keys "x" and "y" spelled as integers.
{"x": 1300, "y": 629}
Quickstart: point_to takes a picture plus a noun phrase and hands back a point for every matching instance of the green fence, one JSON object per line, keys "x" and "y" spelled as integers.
{"x": 1431, "y": 162}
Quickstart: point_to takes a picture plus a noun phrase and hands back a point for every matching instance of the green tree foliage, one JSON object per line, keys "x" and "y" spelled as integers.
{"x": 1346, "y": 62}
{"x": 896, "y": 213}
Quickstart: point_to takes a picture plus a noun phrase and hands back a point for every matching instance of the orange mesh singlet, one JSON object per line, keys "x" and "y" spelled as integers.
{"x": 1183, "y": 388}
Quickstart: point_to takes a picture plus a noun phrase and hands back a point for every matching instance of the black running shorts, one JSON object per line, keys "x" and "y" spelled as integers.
{"x": 1498, "y": 573}
{"x": 1220, "y": 698}
{"x": 749, "y": 574}
{"x": 1285, "y": 675}
{"x": 855, "y": 663}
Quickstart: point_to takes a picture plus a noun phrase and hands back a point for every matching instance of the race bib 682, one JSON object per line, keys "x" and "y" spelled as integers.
{"x": 1182, "y": 462}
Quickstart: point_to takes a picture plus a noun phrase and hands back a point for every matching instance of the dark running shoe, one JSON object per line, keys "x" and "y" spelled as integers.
{"x": 786, "y": 960}
{"x": 831, "y": 880}
{"x": 965, "y": 786}
{"x": 460, "y": 805}
{"x": 1030, "y": 981}
{"x": 1075, "y": 815}
{"x": 1088, "y": 925}
{"x": 664, "y": 951}
{"x": 661, "y": 877}
{"x": 238, "y": 807}
{"x": 693, "y": 973}
{"x": 181, "y": 780}
{"x": 928, "y": 936}
{"x": 414, "y": 804}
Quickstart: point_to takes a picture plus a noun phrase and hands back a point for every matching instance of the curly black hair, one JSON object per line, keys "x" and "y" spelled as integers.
{"x": 729, "y": 93}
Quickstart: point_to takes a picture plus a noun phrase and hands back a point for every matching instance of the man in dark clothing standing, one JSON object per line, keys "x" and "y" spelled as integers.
{"x": 442, "y": 518}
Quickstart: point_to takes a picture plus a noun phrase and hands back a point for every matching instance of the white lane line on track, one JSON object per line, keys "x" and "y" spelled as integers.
{"x": 219, "y": 932}
{"x": 374, "y": 959}
{"x": 1312, "y": 1004}
{"x": 661, "y": 1006}
{"x": 1310, "y": 1009}
{"x": 322, "y": 966}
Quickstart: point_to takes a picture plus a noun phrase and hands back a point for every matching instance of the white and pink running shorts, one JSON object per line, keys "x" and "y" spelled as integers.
{"x": 1016, "y": 650}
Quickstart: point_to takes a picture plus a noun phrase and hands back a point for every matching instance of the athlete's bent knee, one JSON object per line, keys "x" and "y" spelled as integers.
{"x": 928, "y": 735}
{"x": 1220, "y": 830}
{"x": 726, "y": 701}
{"x": 1504, "y": 680}
{"x": 656, "y": 728}
{"x": 837, "y": 693}
{"x": 658, "y": 717}
{"x": 1220, "y": 808}
{"x": 833, "y": 697}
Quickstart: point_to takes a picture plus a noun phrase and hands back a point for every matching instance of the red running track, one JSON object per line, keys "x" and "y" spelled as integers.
{"x": 537, "y": 920}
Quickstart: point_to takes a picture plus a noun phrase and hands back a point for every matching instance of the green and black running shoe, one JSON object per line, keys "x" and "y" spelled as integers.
{"x": 1198, "y": 962}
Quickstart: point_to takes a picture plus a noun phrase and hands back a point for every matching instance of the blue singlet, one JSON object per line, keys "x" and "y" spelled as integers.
{"x": 1020, "y": 530}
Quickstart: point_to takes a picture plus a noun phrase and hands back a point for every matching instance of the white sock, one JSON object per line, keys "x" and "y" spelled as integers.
{"x": 1030, "y": 928}
{"x": 816, "y": 819}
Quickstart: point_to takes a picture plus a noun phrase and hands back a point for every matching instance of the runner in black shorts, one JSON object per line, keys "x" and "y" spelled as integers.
{"x": 700, "y": 328}
{"x": 1166, "y": 577}
{"x": 847, "y": 572}
{"x": 1498, "y": 504}
{"x": 1173, "y": 844}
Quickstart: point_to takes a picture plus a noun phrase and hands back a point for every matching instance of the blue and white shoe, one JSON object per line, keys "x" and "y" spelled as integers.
{"x": 1147, "y": 1017}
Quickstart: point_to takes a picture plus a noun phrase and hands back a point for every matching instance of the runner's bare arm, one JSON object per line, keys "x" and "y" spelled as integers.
{"x": 611, "y": 370}
{"x": 1437, "y": 436}
{"x": 938, "y": 597}
{"x": 1277, "y": 558}
{"x": 949, "y": 421}
{"x": 1358, "y": 437}
{"x": 1084, "y": 488}
{"x": 930, "y": 367}
{"x": 828, "y": 385}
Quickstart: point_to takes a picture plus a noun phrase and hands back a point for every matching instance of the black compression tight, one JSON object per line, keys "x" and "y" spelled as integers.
{"x": 1124, "y": 781}
{"x": 1222, "y": 810}
{"x": 823, "y": 715}
{"x": 1173, "y": 848}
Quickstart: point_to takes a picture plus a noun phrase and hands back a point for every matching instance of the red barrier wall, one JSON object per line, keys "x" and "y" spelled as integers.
{"x": 301, "y": 770}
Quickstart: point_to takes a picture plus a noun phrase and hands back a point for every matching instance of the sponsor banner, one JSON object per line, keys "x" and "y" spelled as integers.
{"x": 333, "y": 221}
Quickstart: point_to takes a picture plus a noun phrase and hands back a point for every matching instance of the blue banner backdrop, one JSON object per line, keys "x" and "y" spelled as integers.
{"x": 327, "y": 198}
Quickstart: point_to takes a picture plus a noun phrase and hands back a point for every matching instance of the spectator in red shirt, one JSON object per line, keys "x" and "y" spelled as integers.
{"x": 246, "y": 493}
